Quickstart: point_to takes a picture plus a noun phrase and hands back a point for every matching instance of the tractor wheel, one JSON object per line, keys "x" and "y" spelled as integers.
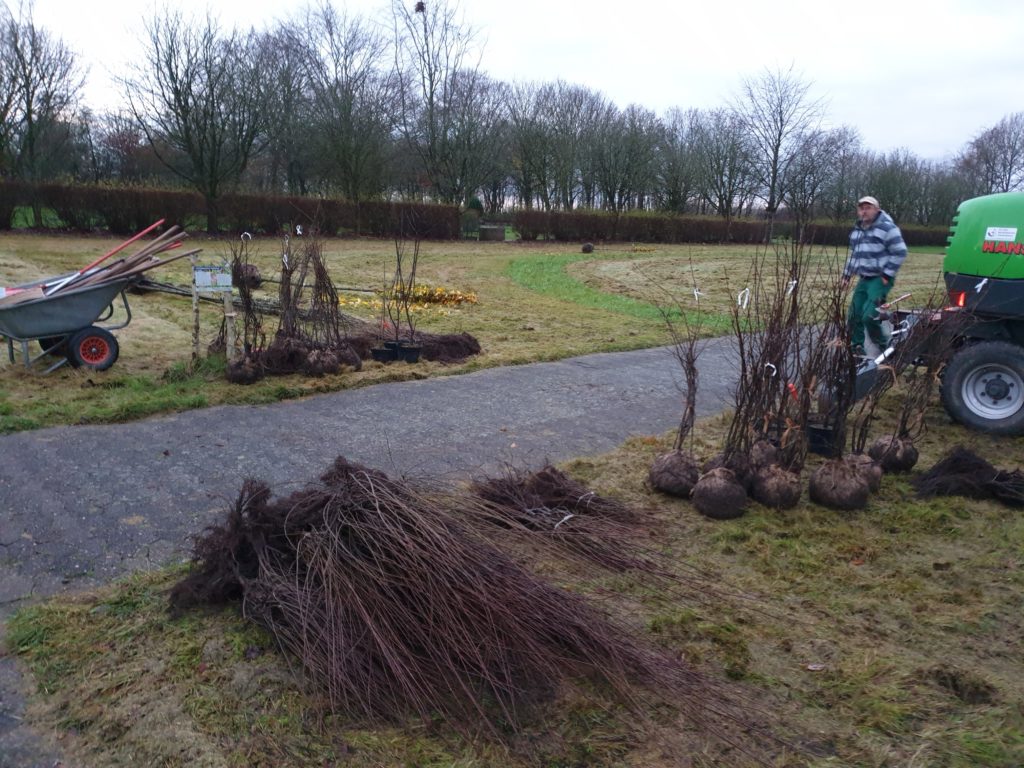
{"x": 94, "y": 348}
{"x": 983, "y": 387}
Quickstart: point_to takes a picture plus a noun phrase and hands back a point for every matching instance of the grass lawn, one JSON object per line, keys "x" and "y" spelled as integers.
{"x": 535, "y": 301}
{"x": 889, "y": 636}
{"x": 885, "y": 637}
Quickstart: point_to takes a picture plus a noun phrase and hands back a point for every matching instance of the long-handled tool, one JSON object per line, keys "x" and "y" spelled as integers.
{"x": 56, "y": 286}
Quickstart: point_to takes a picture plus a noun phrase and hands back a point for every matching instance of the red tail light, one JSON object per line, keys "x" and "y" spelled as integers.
{"x": 958, "y": 298}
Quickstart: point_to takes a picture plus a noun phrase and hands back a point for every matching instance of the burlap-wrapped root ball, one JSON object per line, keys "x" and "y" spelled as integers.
{"x": 776, "y": 487}
{"x": 244, "y": 371}
{"x": 839, "y": 485}
{"x": 764, "y": 453}
{"x": 248, "y": 276}
{"x": 738, "y": 463}
{"x": 895, "y": 454}
{"x": 674, "y": 473}
{"x": 870, "y": 469}
{"x": 320, "y": 362}
{"x": 719, "y": 495}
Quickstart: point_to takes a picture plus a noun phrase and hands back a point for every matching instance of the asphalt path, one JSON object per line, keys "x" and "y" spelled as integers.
{"x": 83, "y": 505}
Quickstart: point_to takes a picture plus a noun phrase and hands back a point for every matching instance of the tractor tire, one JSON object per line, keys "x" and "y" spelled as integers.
{"x": 94, "y": 348}
{"x": 983, "y": 387}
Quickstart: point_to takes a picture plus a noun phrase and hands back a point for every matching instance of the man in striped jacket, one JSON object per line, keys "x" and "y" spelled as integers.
{"x": 877, "y": 252}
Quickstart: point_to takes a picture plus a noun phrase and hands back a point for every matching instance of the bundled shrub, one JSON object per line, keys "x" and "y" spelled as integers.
{"x": 396, "y": 606}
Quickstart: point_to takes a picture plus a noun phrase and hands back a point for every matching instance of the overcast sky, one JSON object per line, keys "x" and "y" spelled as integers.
{"x": 925, "y": 75}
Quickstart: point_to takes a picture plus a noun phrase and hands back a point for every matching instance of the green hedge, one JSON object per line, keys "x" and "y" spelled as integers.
{"x": 124, "y": 210}
{"x": 648, "y": 227}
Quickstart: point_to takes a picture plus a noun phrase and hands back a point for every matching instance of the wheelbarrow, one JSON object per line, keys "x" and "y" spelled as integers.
{"x": 66, "y": 325}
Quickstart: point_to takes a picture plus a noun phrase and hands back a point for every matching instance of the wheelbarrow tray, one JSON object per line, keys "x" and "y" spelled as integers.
{"x": 63, "y": 313}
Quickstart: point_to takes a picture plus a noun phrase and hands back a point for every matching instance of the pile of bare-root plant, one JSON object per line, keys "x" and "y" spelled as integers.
{"x": 565, "y": 514}
{"x": 313, "y": 336}
{"x": 962, "y": 472}
{"x": 312, "y": 332}
{"x": 398, "y": 607}
{"x": 779, "y": 338}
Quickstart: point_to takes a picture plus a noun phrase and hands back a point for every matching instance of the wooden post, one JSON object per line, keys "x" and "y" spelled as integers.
{"x": 195, "y": 315}
{"x": 229, "y": 331}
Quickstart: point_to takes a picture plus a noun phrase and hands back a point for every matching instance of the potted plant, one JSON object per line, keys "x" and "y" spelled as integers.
{"x": 398, "y": 323}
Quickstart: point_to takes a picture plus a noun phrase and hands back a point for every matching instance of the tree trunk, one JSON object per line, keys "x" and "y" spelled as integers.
{"x": 212, "y": 216}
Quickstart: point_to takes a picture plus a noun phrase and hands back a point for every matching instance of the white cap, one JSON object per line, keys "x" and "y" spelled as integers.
{"x": 870, "y": 200}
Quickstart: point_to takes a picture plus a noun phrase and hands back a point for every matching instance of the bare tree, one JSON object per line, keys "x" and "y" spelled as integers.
{"x": 122, "y": 152}
{"x": 495, "y": 177}
{"x": 529, "y": 139}
{"x": 896, "y": 180}
{"x": 8, "y": 93}
{"x": 625, "y": 154}
{"x": 994, "y": 158}
{"x": 808, "y": 172}
{"x": 676, "y": 165}
{"x": 39, "y": 82}
{"x": 845, "y": 186}
{"x": 723, "y": 161}
{"x": 197, "y": 94}
{"x": 441, "y": 92}
{"x": 285, "y": 164}
{"x": 944, "y": 187}
{"x": 354, "y": 100}
{"x": 776, "y": 110}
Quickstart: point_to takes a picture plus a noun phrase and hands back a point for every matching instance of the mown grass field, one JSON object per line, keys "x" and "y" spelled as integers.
{"x": 889, "y": 636}
{"x": 535, "y": 302}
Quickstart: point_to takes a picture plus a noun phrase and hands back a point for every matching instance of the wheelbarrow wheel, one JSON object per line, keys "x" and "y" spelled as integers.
{"x": 94, "y": 348}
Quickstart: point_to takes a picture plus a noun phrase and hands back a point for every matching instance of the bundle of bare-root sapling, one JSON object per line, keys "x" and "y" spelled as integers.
{"x": 838, "y": 483}
{"x": 245, "y": 276}
{"x": 312, "y": 331}
{"x": 962, "y": 472}
{"x": 919, "y": 357}
{"x": 677, "y": 471}
{"x": 764, "y": 447}
{"x": 397, "y": 608}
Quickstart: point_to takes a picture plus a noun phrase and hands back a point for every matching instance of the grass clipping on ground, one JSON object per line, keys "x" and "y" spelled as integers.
{"x": 888, "y": 636}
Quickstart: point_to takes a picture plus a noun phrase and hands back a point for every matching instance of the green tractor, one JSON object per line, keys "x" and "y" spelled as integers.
{"x": 983, "y": 381}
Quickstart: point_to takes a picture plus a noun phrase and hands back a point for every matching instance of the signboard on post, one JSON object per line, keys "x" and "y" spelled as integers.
{"x": 212, "y": 278}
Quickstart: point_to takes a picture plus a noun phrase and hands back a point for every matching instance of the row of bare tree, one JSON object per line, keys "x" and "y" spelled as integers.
{"x": 337, "y": 104}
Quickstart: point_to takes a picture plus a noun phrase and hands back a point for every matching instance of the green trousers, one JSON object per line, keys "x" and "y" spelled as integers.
{"x": 863, "y": 313}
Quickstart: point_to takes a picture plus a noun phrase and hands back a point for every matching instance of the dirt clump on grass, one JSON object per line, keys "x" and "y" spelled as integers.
{"x": 966, "y": 686}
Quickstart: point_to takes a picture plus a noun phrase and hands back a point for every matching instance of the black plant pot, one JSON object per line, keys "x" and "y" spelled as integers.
{"x": 410, "y": 352}
{"x": 397, "y": 350}
{"x": 822, "y": 441}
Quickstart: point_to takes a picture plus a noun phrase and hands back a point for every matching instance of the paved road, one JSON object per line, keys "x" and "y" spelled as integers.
{"x": 80, "y": 506}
